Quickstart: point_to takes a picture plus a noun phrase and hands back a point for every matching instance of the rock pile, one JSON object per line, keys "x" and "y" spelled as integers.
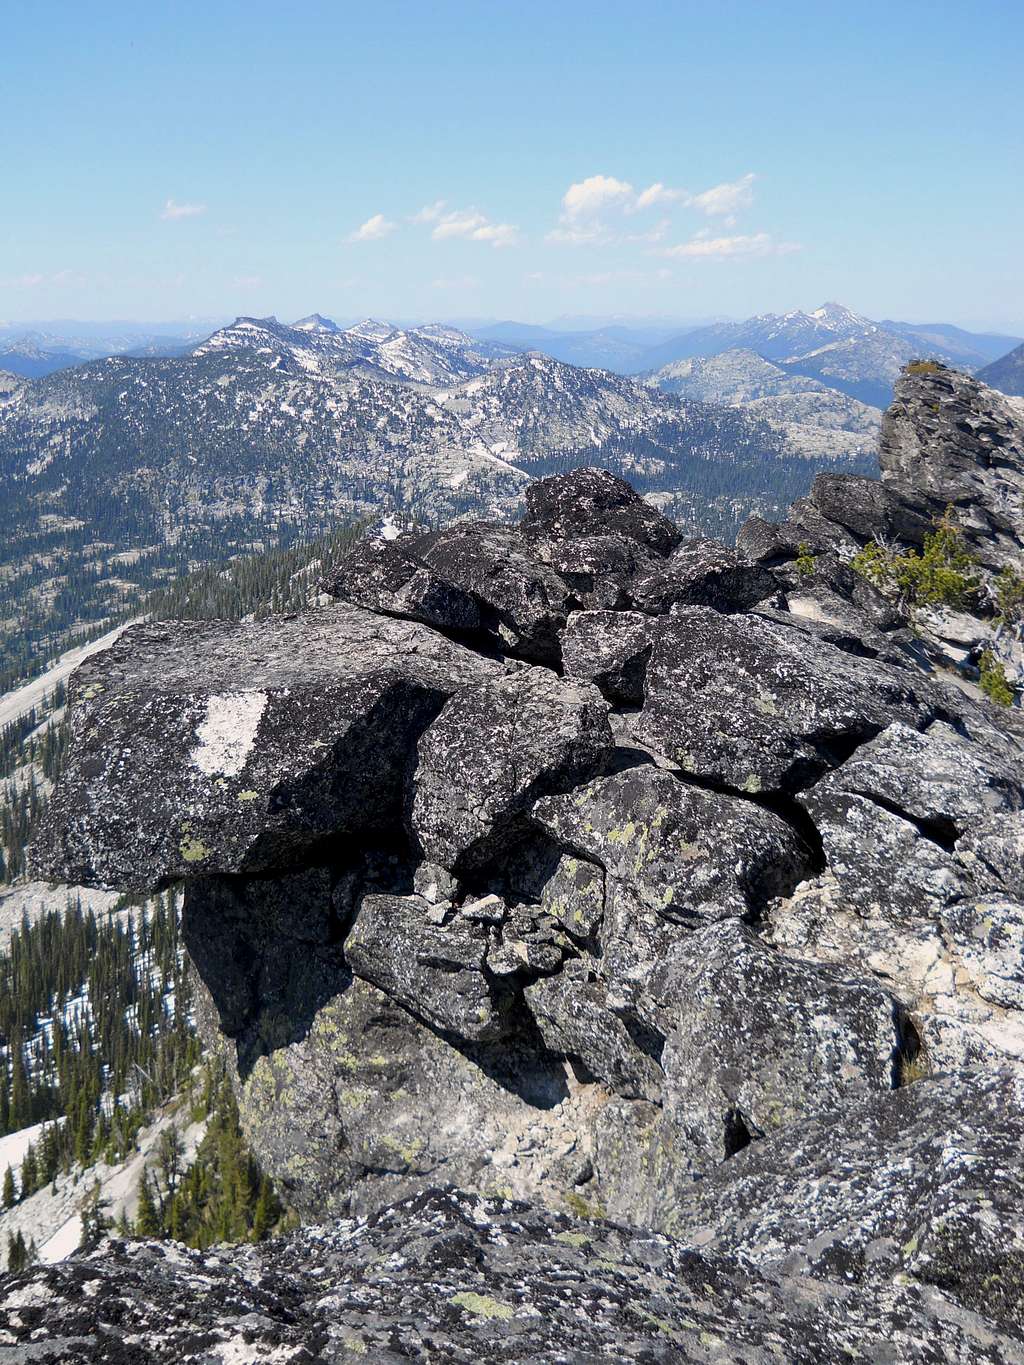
{"x": 641, "y": 880}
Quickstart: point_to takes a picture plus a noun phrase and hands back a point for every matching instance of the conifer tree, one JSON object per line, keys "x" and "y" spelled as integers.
{"x": 147, "y": 1219}
{"x": 9, "y": 1196}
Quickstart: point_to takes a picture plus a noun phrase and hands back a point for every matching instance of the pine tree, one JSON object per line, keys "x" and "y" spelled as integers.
{"x": 147, "y": 1220}
{"x": 9, "y": 1196}
{"x": 17, "y": 1253}
{"x": 28, "y": 1172}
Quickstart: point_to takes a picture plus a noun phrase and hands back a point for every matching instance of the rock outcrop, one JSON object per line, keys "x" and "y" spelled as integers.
{"x": 568, "y": 863}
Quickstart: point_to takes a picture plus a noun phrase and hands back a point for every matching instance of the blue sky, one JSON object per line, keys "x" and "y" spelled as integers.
{"x": 526, "y": 160}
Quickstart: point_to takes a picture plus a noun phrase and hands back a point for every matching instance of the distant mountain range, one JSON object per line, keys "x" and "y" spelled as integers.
{"x": 833, "y": 344}
{"x": 815, "y": 418}
{"x": 1007, "y": 373}
{"x": 33, "y": 352}
{"x": 117, "y": 474}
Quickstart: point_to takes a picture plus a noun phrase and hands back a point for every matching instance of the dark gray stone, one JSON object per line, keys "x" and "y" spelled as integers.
{"x": 454, "y": 1277}
{"x": 594, "y": 502}
{"x": 523, "y": 600}
{"x": 703, "y": 573}
{"x": 611, "y": 650}
{"x": 485, "y": 759}
{"x": 386, "y": 576}
{"x": 434, "y": 971}
{"x": 742, "y": 701}
{"x": 211, "y": 746}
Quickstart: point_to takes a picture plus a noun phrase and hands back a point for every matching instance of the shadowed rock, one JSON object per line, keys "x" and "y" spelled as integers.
{"x": 211, "y": 746}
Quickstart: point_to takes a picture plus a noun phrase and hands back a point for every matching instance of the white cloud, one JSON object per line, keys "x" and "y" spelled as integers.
{"x": 469, "y": 224}
{"x": 659, "y": 194}
{"x": 247, "y": 281}
{"x": 430, "y": 213}
{"x": 373, "y": 229}
{"x": 579, "y": 234}
{"x": 588, "y": 197}
{"x": 586, "y": 205}
{"x": 702, "y": 244}
{"x": 172, "y": 211}
{"x": 726, "y": 199}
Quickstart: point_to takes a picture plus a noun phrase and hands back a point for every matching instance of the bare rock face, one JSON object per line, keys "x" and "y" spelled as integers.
{"x": 386, "y": 576}
{"x": 435, "y": 971}
{"x": 473, "y": 1281}
{"x": 759, "y": 1041}
{"x": 702, "y": 573}
{"x": 611, "y": 650}
{"x": 593, "y": 502}
{"x": 210, "y": 746}
{"x": 543, "y": 735}
{"x": 743, "y": 701}
{"x": 707, "y": 916}
{"x": 523, "y": 600}
{"x": 960, "y": 442}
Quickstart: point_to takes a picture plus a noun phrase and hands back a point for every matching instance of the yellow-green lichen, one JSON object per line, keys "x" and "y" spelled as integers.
{"x": 573, "y": 1239}
{"x": 193, "y": 850}
{"x": 482, "y": 1305}
{"x": 248, "y": 796}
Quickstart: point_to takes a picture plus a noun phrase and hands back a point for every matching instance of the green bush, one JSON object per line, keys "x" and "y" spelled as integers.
{"x": 804, "y": 559}
{"x": 1009, "y": 595}
{"x": 994, "y": 682}
{"x": 939, "y": 576}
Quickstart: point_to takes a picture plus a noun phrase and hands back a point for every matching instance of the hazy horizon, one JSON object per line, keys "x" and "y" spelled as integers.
{"x": 514, "y": 163}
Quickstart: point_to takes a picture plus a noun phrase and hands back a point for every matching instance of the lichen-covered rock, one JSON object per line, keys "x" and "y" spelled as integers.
{"x": 572, "y": 1013}
{"x": 702, "y": 573}
{"x": 761, "y": 1041}
{"x": 933, "y": 1174}
{"x": 866, "y": 508}
{"x": 371, "y": 1104}
{"x": 594, "y": 502}
{"x": 212, "y": 746}
{"x": 611, "y": 650}
{"x": 951, "y": 437}
{"x": 891, "y": 816}
{"x": 523, "y": 600}
{"x": 954, "y": 970}
{"x": 741, "y": 700}
{"x": 435, "y": 971}
{"x": 675, "y": 857}
{"x": 496, "y": 749}
{"x": 385, "y": 575}
{"x": 452, "y": 1277}
{"x": 600, "y": 569}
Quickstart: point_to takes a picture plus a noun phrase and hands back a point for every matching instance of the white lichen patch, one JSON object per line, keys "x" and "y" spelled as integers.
{"x": 227, "y": 734}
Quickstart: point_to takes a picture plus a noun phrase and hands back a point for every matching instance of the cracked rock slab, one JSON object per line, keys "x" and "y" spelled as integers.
{"x": 212, "y": 746}
{"x": 495, "y": 750}
{"x": 743, "y": 701}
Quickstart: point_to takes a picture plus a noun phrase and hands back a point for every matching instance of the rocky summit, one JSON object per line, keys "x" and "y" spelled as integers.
{"x": 615, "y": 940}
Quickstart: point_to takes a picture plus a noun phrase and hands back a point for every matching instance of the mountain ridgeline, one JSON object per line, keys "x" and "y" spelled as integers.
{"x": 118, "y": 475}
